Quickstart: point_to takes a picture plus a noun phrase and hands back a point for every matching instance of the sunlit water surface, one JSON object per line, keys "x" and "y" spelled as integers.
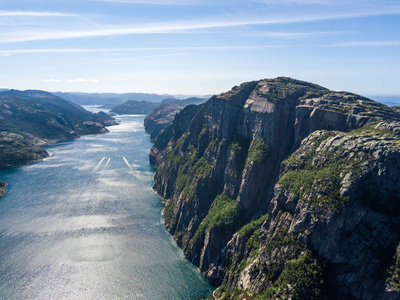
{"x": 85, "y": 224}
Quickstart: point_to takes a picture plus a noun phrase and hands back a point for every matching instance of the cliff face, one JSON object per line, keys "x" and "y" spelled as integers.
{"x": 3, "y": 188}
{"x": 164, "y": 114}
{"x": 284, "y": 188}
{"x": 160, "y": 117}
{"x": 29, "y": 119}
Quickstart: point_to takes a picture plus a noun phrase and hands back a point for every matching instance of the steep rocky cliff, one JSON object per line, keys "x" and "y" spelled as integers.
{"x": 29, "y": 119}
{"x": 281, "y": 188}
{"x": 164, "y": 114}
{"x": 3, "y": 188}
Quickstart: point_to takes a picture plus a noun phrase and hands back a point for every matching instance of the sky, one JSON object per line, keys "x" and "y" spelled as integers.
{"x": 198, "y": 47}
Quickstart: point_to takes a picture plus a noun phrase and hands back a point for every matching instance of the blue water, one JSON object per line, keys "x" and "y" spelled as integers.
{"x": 86, "y": 224}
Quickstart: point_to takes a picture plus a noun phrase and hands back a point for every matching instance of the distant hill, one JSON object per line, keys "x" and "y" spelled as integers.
{"x": 184, "y": 102}
{"x": 109, "y": 98}
{"x": 165, "y": 113}
{"x": 133, "y": 107}
{"x": 145, "y": 107}
{"x": 29, "y": 119}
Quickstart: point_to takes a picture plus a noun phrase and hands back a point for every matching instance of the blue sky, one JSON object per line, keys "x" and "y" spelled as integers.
{"x": 198, "y": 46}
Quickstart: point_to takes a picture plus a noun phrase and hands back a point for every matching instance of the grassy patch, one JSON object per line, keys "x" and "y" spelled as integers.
{"x": 259, "y": 150}
{"x": 318, "y": 184}
{"x": 224, "y": 214}
{"x": 393, "y": 278}
{"x": 250, "y": 233}
{"x": 169, "y": 213}
{"x": 302, "y": 277}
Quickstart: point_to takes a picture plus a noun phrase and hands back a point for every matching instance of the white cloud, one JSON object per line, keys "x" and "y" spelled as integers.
{"x": 107, "y": 51}
{"x": 16, "y": 13}
{"x": 180, "y": 27}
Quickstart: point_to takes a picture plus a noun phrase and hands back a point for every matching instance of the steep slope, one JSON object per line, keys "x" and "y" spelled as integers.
{"x": 33, "y": 118}
{"x": 3, "y": 188}
{"x": 164, "y": 114}
{"x": 285, "y": 189}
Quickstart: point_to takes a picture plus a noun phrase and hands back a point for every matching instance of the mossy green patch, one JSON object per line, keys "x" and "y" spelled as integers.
{"x": 302, "y": 277}
{"x": 169, "y": 213}
{"x": 318, "y": 183}
{"x": 250, "y": 234}
{"x": 393, "y": 276}
{"x": 258, "y": 152}
{"x": 224, "y": 214}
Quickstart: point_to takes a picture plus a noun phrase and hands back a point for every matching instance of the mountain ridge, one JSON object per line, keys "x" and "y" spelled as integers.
{"x": 32, "y": 118}
{"x": 249, "y": 204}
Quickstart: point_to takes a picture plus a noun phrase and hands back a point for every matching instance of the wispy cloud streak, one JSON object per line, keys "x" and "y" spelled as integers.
{"x": 177, "y": 27}
{"x": 107, "y": 50}
{"x": 367, "y": 43}
{"x": 16, "y": 13}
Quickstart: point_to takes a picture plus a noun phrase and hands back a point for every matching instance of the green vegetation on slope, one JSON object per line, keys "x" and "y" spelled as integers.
{"x": 224, "y": 214}
{"x": 393, "y": 278}
{"x": 258, "y": 151}
{"x": 301, "y": 279}
{"x": 250, "y": 234}
{"x": 318, "y": 184}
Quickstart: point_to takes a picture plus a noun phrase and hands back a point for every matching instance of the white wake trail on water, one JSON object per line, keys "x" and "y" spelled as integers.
{"x": 98, "y": 165}
{"x": 108, "y": 161}
{"x": 95, "y": 169}
{"x": 127, "y": 163}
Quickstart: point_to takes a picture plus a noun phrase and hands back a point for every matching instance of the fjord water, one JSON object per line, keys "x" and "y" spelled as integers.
{"x": 86, "y": 224}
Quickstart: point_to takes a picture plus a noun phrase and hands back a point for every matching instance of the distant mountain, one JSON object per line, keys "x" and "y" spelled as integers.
{"x": 29, "y": 119}
{"x": 165, "y": 113}
{"x": 133, "y": 107}
{"x": 109, "y": 98}
{"x": 388, "y": 100}
{"x": 184, "y": 102}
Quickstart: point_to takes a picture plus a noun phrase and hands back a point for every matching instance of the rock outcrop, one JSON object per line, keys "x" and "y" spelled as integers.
{"x": 283, "y": 188}
{"x": 29, "y": 119}
{"x": 164, "y": 114}
{"x": 3, "y": 188}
